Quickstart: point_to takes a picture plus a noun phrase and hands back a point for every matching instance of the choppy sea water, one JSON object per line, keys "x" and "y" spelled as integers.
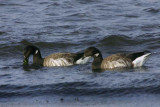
{"x": 71, "y": 26}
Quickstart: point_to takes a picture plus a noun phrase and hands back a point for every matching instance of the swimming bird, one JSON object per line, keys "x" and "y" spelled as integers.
{"x": 57, "y": 59}
{"x": 118, "y": 60}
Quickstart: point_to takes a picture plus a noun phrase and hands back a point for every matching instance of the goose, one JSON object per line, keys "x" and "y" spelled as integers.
{"x": 57, "y": 59}
{"x": 119, "y": 60}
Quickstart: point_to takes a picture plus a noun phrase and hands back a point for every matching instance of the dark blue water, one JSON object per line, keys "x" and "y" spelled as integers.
{"x": 72, "y": 26}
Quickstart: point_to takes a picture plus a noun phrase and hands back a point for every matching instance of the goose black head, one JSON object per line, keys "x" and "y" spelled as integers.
{"x": 29, "y": 50}
{"x": 92, "y": 51}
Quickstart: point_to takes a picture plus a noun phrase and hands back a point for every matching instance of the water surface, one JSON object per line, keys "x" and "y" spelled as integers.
{"x": 71, "y": 26}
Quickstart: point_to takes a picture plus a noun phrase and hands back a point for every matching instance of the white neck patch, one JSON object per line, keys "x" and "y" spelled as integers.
{"x": 36, "y": 52}
{"x": 96, "y": 55}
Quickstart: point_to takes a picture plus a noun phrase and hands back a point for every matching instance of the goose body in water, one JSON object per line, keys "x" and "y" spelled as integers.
{"x": 119, "y": 60}
{"x": 57, "y": 59}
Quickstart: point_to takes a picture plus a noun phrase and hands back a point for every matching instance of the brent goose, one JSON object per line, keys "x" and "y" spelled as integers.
{"x": 118, "y": 60}
{"x": 57, "y": 59}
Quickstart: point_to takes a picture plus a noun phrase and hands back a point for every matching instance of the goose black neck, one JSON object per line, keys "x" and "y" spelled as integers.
{"x": 78, "y": 56}
{"x": 97, "y": 61}
{"x": 37, "y": 59}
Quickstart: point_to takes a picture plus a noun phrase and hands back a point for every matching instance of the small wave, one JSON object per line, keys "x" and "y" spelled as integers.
{"x": 61, "y": 88}
{"x": 87, "y": 1}
{"x": 86, "y": 30}
{"x": 60, "y": 44}
{"x": 73, "y": 88}
{"x": 150, "y": 27}
{"x": 10, "y": 4}
{"x": 152, "y": 10}
{"x": 113, "y": 40}
{"x": 146, "y": 40}
{"x": 20, "y": 45}
{"x": 1, "y": 33}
